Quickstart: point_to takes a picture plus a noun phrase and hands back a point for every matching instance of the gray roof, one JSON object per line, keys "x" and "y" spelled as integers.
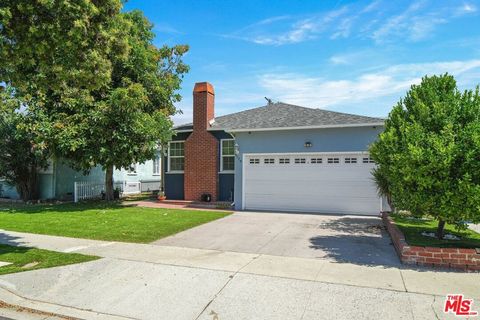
{"x": 282, "y": 115}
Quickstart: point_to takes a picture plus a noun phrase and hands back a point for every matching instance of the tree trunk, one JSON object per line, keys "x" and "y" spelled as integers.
{"x": 109, "y": 183}
{"x": 390, "y": 203}
{"x": 440, "y": 229}
{"x": 27, "y": 188}
{"x": 34, "y": 182}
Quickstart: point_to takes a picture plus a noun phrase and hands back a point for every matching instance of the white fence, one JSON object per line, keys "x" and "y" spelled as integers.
{"x": 150, "y": 185}
{"x": 131, "y": 187}
{"x": 84, "y": 190}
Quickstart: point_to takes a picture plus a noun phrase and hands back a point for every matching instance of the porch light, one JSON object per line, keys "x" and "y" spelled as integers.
{"x": 237, "y": 149}
{"x": 308, "y": 144}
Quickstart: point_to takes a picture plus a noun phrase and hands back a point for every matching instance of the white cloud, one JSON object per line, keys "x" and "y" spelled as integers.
{"x": 300, "y": 31}
{"x": 344, "y": 28}
{"x": 418, "y": 21}
{"x": 352, "y": 57}
{"x": 380, "y": 21}
{"x": 165, "y": 28}
{"x": 466, "y": 8}
{"x": 391, "y": 81}
{"x": 283, "y": 30}
{"x": 371, "y": 7}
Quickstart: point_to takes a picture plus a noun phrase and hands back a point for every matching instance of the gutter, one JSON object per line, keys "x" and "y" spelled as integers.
{"x": 330, "y": 126}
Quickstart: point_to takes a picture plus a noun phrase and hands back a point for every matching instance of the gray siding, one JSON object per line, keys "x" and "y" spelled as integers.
{"x": 323, "y": 140}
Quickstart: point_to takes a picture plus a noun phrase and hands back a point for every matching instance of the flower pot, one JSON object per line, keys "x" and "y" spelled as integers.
{"x": 161, "y": 198}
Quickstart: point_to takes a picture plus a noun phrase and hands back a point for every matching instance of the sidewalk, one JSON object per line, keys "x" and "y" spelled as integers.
{"x": 140, "y": 280}
{"x": 423, "y": 281}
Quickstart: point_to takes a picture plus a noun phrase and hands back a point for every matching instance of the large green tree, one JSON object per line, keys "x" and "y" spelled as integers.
{"x": 56, "y": 51}
{"x": 429, "y": 152}
{"x": 101, "y": 91}
{"x": 21, "y": 154}
{"x": 130, "y": 117}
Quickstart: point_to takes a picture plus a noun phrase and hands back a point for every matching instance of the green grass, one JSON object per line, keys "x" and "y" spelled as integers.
{"x": 413, "y": 228}
{"x": 102, "y": 221}
{"x": 20, "y": 257}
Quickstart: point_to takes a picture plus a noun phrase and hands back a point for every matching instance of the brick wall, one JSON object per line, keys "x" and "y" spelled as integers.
{"x": 454, "y": 258}
{"x": 201, "y": 147}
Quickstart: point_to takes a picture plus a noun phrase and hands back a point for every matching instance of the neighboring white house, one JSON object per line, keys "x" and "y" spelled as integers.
{"x": 58, "y": 180}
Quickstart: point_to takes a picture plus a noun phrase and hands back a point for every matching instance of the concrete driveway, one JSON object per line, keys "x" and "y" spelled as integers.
{"x": 354, "y": 239}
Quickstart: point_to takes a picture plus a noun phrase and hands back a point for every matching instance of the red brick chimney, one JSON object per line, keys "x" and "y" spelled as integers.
{"x": 201, "y": 147}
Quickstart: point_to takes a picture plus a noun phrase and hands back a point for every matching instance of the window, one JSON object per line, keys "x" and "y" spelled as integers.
{"x": 254, "y": 161}
{"x": 284, "y": 160}
{"x": 333, "y": 160}
{"x": 133, "y": 169}
{"x": 300, "y": 160}
{"x": 269, "y": 161}
{"x": 156, "y": 165}
{"x": 176, "y": 156}
{"x": 368, "y": 160}
{"x": 228, "y": 155}
{"x": 316, "y": 160}
{"x": 350, "y": 160}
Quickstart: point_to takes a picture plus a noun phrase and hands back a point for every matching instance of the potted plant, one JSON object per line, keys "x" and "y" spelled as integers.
{"x": 161, "y": 196}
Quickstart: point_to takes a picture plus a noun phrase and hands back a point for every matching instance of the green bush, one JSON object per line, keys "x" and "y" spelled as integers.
{"x": 429, "y": 152}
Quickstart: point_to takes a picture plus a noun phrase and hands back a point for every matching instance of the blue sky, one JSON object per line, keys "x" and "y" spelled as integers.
{"x": 356, "y": 57}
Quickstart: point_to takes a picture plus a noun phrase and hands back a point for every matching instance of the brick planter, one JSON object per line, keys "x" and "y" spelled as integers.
{"x": 454, "y": 258}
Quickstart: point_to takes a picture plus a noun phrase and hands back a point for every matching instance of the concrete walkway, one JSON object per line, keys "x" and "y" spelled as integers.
{"x": 143, "y": 281}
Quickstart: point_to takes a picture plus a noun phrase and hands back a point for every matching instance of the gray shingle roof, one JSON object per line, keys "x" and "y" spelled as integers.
{"x": 282, "y": 115}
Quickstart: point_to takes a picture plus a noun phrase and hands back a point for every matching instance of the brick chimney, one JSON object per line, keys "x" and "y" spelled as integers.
{"x": 203, "y": 105}
{"x": 201, "y": 147}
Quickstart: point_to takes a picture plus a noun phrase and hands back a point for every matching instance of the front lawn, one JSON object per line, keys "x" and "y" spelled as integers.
{"x": 413, "y": 228}
{"x": 102, "y": 221}
{"x": 26, "y": 259}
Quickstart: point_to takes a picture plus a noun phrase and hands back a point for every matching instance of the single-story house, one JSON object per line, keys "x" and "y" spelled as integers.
{"x": 278, "y": 157}
{"x": 58, "y": 180}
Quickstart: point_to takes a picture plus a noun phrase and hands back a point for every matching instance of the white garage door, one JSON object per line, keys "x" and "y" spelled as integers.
{"x": 323, "y": 182}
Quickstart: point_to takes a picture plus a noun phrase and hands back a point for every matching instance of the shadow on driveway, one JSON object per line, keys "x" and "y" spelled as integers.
{"x": 357, "y": 240}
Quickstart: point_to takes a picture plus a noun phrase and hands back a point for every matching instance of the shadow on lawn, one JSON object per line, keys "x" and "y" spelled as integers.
{"x": 66, "y": 207}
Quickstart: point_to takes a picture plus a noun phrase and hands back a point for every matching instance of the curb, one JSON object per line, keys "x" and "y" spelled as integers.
{"x": 14, "y": 301}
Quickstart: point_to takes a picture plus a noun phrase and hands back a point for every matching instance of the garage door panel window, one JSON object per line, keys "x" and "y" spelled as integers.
{"x": 333, "y": 160}
{"x": 228, "y": 155}
{"x": 176, "y": 156}
{"x": 350, "y": 160}
{"x": 284, "y": 160}
{"x": 367, "y": 160}
{"x": 255, "y": 161}
{"x": 300, "y": 160}
{"x": 269, "y": 161}
{"x": 316, "y": 160}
